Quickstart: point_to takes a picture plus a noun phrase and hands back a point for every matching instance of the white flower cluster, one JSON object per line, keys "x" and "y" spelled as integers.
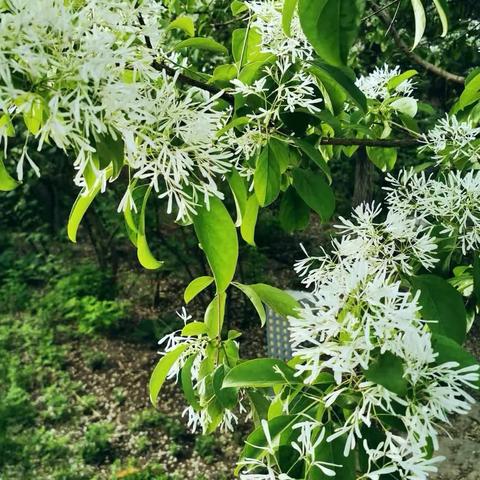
{"x": 196, "y": 347}
{"x": 452, "y": 200}
{"x": 268, "y": 22}
{"x": 359, "y": 311}
{"x": 454, "y": 143}
{"x": 78, "y": 72}
{"x": 375, "y": 85}
{"x": 285, "y": 85}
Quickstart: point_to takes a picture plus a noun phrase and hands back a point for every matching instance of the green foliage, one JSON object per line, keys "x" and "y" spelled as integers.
{"x": 207, "y": 447}
{"x": 97, "y": 443}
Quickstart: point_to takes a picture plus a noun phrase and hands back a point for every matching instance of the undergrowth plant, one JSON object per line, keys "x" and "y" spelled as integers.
{"x": 136, "y": 95}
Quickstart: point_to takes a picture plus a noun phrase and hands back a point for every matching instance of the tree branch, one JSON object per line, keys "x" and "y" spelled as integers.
{"x": 371, "y": 142}
{"x": 440, "y": 72}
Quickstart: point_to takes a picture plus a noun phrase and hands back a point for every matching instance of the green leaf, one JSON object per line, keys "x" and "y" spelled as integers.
{"x": 289, "y": 8}
{"x": 325, "y": 72}
{"x": 331, "y": 26}
{"x": 33, "y": 117}
{"x": 226, "y": 396}
{"x": 396, "y": 81}
{"x": 161, "y": 371}
{"x": 314, "y": 155}
{"x": 240, "y": 195}
{"x": 450, "y": 351}
{"x": 470, "y": 94}
{"x": 144, "y": 254}
{"x": 387, "y": 370}
{"x": 442, "y": 305}
{"x": 215, "y": 315}
{"x": 294, "y": 212}
{"x": 255, "y": 299}
{"x": 187, "y": 384}
{"x": 281, "y": 152}
{"x": 420, "y": 21}
{"x": 383, "y": 158}
{"x": 185, "y": 24}
{"x": 218, "y": 237}
{"x": 194, "y": 329}
{"x": 196, "y": 286}
{"x": 278, "y": 300}
{"x": 238, "y": 7}
{"x": 441, "y": 6}
{"x": 261, "y": 372}
{"x": 7, "y": 183}
{"x": 315, "y": 192}
{"x": 6, "y": 126}
{"x": 202, "y": 44}
{"x": 80, "y": 207}
{"x": 110, "y": 151}
{"x": 249, "y": 221}
{"x": 246, "y": 47}
{"x": 266, "y": 179}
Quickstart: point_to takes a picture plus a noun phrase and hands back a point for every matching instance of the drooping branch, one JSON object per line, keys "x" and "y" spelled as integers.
{"x": 438, "y": 71}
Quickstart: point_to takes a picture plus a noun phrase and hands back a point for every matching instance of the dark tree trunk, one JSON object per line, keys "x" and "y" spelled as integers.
{"x": 364, "y": 179}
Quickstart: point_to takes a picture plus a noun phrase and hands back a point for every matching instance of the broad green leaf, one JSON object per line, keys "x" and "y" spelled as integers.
{"x": 226, "y": 396}
{"x": 184, "y": 23}
{"x": 224, "y": 74}
{"x": 202, "y": 44}
{"x": 110, "y": 151}
{"x": 331, "y": 26}
{"x": 218, "y": 237}
{"x": 324, "y": 71}
{"x": 396, "y": 81}
{"x": 450, "y": 351}
{"x": 289, "y": 8}
{"x": 441, "y": 6}
{"x": 387, "y": 370}
{"x": 255, "y": 299}
{"x": 7, "y": 183}
{"x": 294, "y": 212}
{"x": 246, "y": 47}
{"x": 278, "y": 300}
{"x": 266, "y": 179}
{"x": 281, "y": 152}
{"x": 240, "y": 195}
{"x": 314, "y": 155}
{"x": 249, "y": 221}
{"x": 80, "y": 207}
{"x": 215, "y": 315}
{"x": 144, "y": 254}
{"x": 315, "y": 192}
{"x": 6, "y": 126}
{"x": 238, "y": 7}
{"x": 33, "y": 117}
{"x": 420, "y": 21}
{"x": 383, "y": 158}
{"x": 442, "y": 306}
{"x": 261, "y": 372}
{"x": 193, "y": 329}
{"x": 196, "y": 286}
{"x": 187, "y": 384}
{"x": 161, "y": 371}
{"x": 470, "y": 94}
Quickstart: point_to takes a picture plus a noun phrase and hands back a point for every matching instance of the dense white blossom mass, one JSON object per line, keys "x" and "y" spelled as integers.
{"x": 74, "y": 94}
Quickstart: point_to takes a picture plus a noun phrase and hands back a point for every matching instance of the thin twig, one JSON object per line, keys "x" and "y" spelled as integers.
{"x": 371, "y": 142}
